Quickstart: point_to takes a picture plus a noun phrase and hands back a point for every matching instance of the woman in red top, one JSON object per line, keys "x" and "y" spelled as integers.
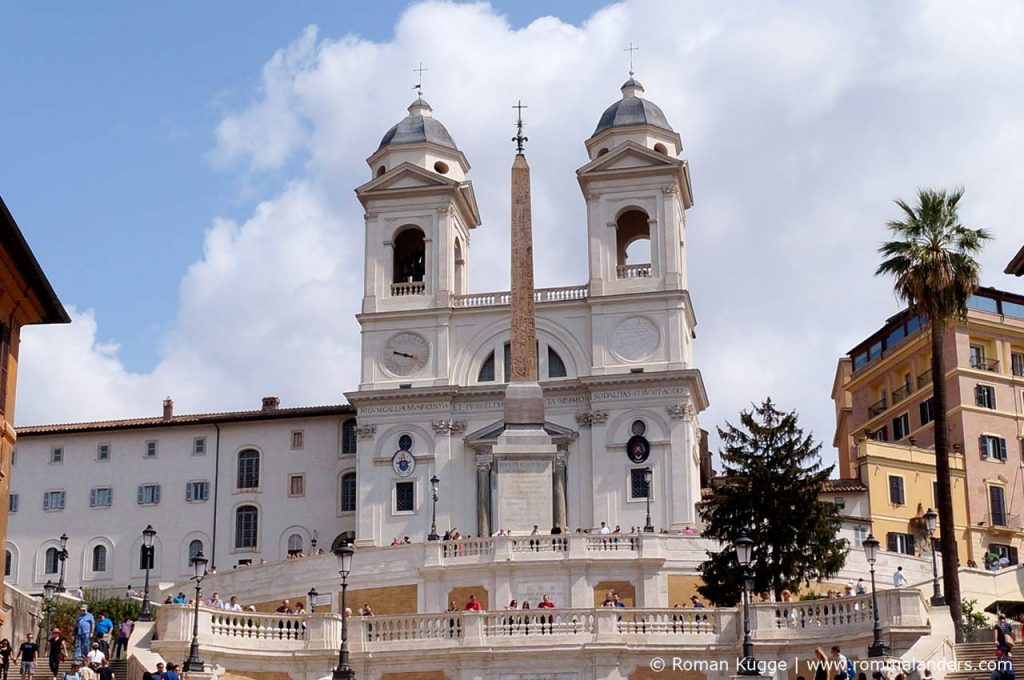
{"x": 473, "y": 605}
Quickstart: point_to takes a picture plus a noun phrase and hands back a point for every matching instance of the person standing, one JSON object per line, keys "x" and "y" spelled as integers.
{"x": 124, "y": 631}
{"x": 172, "y": 672}
{"x": 1000, "y": 632}
{"x": 55, "y": 651}
{"x": 104, "y": 626}
{"x": 85, "y": 626}
{"x": 5, "y": 658}
{"x": 473, "y": 605}
{"x": 72, "y": 674}
{"x": 27, "y": 654}
{"x": 105, "y": 671}
{"x": 899, "y": 579}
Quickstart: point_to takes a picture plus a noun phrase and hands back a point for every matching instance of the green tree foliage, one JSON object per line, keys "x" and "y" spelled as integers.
{"x": 931, "y": 260}
{"x": 773, "y": 475}
{"x": 64, "y": 612}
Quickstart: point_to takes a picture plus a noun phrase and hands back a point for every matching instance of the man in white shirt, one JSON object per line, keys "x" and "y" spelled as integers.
{"x": 898, "y": 578}
{"x": 232, "y": 605}
{"x": 215, "y": 602}
{"x": 96, "y": 656}
{"x": 604, "y": 529}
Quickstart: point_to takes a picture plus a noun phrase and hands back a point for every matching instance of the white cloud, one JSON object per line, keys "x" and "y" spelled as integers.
{"x": 801, "y": 122}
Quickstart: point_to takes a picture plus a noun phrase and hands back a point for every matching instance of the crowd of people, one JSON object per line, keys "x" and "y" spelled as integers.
{"x": 95, "y": 640}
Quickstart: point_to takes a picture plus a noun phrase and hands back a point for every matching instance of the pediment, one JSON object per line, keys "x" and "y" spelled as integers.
{"x": 630, "y": 156}
{"x": 405, "y": 176}
{"x": 487, "y": 436}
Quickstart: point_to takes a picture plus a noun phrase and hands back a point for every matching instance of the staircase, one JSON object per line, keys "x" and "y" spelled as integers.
{"x": 976, "y": 653}
{"x": 119, "y": 666}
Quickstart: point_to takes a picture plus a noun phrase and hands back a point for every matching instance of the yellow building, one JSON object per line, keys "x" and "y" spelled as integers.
{"x": 901, "y": 487}
{"x": 26, "y": 297}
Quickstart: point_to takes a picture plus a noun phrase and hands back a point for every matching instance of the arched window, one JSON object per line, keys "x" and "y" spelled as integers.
{"x": 348, "y": 436}
{"x": 99, "y": 559}
{"x": 410, "y": 256}
{"x": 249, "y": 469}
{"x": 556, "y": 367}
{"x": 633, "y": 245}
{"x": 194, "y": 548}
{"x": 460, "y": 269}
{"x": 7, "y": 563}
{"x": 348, "y": 492}
{"x": 295, "y": 544}
{"x": 486, "y": 373}
{"x": 247, "y": 518}
{"x": 50, "y": 563}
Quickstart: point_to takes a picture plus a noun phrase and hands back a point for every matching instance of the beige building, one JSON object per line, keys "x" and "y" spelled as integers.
{"x": 883, "y": 389}
{"x": 26, "y": 297}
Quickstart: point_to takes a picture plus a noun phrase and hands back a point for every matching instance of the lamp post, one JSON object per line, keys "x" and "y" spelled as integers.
{"x": 648, "y": 473}
{"x": 344, "y": 554}
{"x": 49, "y": 589}
{"x": 193, "y": 662}
{"x": 62, "y": 555}
{"x": 147, "y": 556}
{"x": 311, "y": 596}
{"x": 744, "y": 553}
{"x": 432, "y": 536}
{"x": 930, "y": 518}
{"x": 877, "y": 647}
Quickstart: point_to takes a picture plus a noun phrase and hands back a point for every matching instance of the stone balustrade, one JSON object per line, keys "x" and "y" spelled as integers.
{"x": 633, "y": 271}
{"x": 504, "y": 297}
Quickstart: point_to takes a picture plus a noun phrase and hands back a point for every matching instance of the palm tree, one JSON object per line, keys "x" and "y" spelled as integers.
{"x": 932, "y": 262}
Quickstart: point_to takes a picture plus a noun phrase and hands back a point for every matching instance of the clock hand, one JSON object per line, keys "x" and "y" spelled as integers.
{"x": 403, "y": 354}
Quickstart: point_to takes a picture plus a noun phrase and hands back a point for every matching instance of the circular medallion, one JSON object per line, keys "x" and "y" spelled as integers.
{"x": 405, "y": 443}
{"x": 635, "y": 339}
{"x": 403, "y": 463}
{"x": 638, "y": 427}
{"x": 405, "y": 353}
{"x": 638, "y": 449}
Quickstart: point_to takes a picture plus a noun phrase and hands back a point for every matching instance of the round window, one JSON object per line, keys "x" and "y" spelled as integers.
{"x": 638, "y": 427}
{"x": 404, "y": 442}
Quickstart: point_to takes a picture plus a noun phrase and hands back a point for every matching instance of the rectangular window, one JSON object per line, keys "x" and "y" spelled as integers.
{"x": 881, "y": 434}
{"x": 103, "y": 452}
{"x": 900, "y": 543}
{"x": 101, "y": 497}
{"x": 297, "y": 439}
{"x": 1007, "y": 552}
{"x": 992, "y": 448}
{"x": 637, "y": 484}
{"x": 149, "y": 494}
{"x": 900, "y": 427}
{"x": 197, "y": 491}
{"x": 199, "y": 446}
{"x": 926, "y": 412}
{"x": 296, "y": 485}
{"x": 12, "y": 503}
{"x": 151, "y": 449}
{"x": 1017, "y": 363}
{"x": 997, "y": 506}
{"x": 896, "y": 496}
{"x": 405, "y": 497}
{"x": 53, "y": 500}
{"x": 348, "y": 492}
{"x": 977, "y": 356}
{"x": 985, "y": 396}
{"x": 57, "y": 455}
{"x": 860, "y": 534}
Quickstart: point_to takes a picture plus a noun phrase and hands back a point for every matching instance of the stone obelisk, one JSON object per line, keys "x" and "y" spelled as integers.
{"x": 524, "y": 455}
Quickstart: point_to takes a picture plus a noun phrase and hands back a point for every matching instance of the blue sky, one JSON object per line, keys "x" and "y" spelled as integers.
{"x": 110, "y": 117}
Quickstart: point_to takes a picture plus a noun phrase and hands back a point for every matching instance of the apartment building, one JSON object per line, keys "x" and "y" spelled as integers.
{"x": 883, "y": 392}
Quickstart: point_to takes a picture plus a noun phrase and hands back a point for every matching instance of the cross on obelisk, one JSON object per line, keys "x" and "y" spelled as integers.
{"x": 519, "y": 139}
{"x": 419, "y": 82}
{"x": 631, "y": 50}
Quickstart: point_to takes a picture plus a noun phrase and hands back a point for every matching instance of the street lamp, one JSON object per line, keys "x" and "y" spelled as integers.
{"x": 432, "y": 536}
{"x": 49, "y": 589}
{"x": 147, "y": 557}
{"x": 744, "y": 553}
{"x": 344, "y": 553}
{"x": 929, "y": 522}
{"x": 311, "y": 597}
{"x": 877, "y": 647}
{"x": 193, "y": 662}
{"x": 62, "y": 555}
{"x": 648, "y": 473}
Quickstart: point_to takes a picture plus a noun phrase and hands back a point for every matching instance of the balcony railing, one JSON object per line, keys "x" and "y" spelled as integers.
{"x": 878, "y": 407}
{"x": 409, "y": 288}
{"x": 633, "y": 271}
{"x": 504, "y": 297}
{"x": 900, "y": 393}
{"x": 982, "y": 364}
{"x": 1004, "y": 521}
{"x": 924, "y": 379}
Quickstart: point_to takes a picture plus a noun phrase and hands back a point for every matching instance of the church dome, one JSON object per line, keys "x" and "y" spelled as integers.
{"x": 418, "y": 127}
{"x": 632, "y": 109}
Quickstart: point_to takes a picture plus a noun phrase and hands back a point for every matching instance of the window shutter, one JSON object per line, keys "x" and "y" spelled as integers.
{"x": 189, "y": 495}
{"x": 141, "y": 499}
{"x": 1002, "y": 449}
{"x": 156, "y": 493}
{"x": 979, "y": 399}
{"x": 911, "y": 546}
{"x": 1013, "y": 556}
{"x": 46, "y": 500}
{"x": 982, "y": 447}
{"x": 92, "y": 498}
{"x": 890, "y": 542}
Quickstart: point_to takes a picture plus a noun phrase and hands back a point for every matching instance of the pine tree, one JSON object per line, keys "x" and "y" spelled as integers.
{"x": 773, "y": 475}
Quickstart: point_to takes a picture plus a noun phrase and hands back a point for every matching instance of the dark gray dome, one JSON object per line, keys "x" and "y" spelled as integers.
{"x": 632, "y": 109}
{"x": 419, "y": 126}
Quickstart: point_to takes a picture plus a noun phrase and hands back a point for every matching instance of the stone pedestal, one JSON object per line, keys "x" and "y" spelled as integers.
{"x": 524, "y": 463}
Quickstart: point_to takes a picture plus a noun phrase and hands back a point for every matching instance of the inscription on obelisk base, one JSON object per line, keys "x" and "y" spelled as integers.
{"x": 524, "y": 461}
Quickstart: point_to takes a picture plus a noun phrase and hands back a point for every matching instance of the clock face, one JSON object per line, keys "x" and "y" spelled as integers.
{"x": 635, "y": 339}
{"x": 405, "y": 354}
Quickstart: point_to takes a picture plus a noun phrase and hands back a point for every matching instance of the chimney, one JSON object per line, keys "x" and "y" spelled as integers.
{"x": 271, "y": 403}
{"x": 168, "y": 408}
